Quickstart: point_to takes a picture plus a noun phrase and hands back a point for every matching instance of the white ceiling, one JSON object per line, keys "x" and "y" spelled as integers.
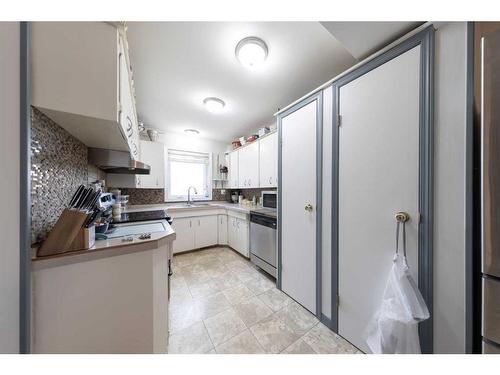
{"x": 177, "y": 64}
{"x": 362, "y": 39}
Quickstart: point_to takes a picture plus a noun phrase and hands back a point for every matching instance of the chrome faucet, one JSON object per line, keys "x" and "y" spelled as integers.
{"x": 189, "y": 202}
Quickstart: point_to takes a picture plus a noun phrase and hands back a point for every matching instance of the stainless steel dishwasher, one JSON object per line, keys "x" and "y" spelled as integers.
{"x": 263, "y": 240}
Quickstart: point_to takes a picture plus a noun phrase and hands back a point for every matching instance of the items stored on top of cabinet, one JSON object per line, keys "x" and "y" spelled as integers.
{"x": 81, "y": 79}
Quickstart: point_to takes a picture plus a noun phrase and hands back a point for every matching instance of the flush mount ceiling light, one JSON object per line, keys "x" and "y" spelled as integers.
{"x": 191, "y": 131}
{"x": 214, "y": 105}
{"x": 251, "y": 52}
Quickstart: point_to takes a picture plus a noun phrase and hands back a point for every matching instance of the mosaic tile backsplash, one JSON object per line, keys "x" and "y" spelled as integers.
{"x": 58, "y": 166}
{"x": 143, "y": 196}
{"x": 157, "y": 196}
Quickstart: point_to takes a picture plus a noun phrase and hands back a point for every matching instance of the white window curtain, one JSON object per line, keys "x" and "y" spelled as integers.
{"x": 185, "y": 169}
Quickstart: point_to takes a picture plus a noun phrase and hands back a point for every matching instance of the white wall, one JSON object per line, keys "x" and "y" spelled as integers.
{"x": 192, "y": 143}
{"x": 449, "y": 198}
{"x": 9, "y": 187}
{"x": 195, "y": 143}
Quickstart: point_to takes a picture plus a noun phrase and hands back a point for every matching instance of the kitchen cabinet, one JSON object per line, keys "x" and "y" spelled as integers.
{"x": 127, "y": 114}
{"x": 238, "y": 235}
{"x": 233, "y": 169}
{"x": 222, "y": 229}
{"x": 185, "y": 235}
{"x": 268, "y": 160}
{"x": 206, "y": 231}
{"x": 154, "y": 155}
{"x": 82, "y": 80}
{"x": 195, "y": 232}
{"x": 248, "y": 172}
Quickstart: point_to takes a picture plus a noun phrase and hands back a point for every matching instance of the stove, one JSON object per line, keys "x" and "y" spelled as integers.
{"x": 132, "y": 217}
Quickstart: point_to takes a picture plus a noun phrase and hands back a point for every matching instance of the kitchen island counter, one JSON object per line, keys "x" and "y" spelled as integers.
{"x": 105, "y": 248}
{"x": 112, "y": 298}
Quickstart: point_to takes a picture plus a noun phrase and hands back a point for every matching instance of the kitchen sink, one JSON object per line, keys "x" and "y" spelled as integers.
{"x": 191, "y": 205}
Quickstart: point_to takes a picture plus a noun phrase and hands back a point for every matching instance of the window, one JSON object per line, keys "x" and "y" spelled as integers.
{"x": 185, "y": 169}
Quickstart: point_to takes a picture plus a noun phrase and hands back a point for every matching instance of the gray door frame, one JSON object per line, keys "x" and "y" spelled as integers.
{"x": 424, "y": 39}
{"x": 318, "y": 96}
{"x": 25, "y": 196}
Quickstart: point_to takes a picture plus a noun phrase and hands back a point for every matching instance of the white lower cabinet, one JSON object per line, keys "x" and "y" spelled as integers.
{"x": 222, "y": 229}
{"x": 194, "y": 232}
{"x": 205, "y": 233}
{"x": 237, "y": 234}
{"x": 184, "y": 231}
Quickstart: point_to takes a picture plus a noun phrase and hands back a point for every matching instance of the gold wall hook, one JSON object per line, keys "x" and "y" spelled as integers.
{"x": 402, "y": 217}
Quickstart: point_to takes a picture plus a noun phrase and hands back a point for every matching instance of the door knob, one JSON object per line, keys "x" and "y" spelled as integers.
{"x": 308, "y": 207}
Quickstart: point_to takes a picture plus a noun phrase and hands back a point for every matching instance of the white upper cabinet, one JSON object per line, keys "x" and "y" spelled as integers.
{"x": 81, "y": 78}
{"x": 268, "y": 160}
{"x": 126, "y": 109}
{"x": 248, "y": 176}
{"x": 154, "y": 154}
{"x": 255, "y": 165}
{"x": 233, "y": 169}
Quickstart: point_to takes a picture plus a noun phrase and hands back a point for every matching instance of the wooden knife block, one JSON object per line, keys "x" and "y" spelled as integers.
{"x": 68, "y": 234}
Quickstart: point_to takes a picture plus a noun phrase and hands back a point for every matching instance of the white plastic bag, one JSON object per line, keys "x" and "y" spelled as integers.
{"x": 394, "y": 327}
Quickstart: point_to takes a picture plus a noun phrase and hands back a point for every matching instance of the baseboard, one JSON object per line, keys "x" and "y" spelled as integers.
{"x": 209, "y": 247}
{"x": 327, "y": 321}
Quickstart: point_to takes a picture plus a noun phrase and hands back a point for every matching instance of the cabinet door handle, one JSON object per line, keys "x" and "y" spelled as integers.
{"x": 190, "y": 225}
{"x": 238, "y": 224}
{"x": 198, "y": 223}
{"x": 270, "y": 179}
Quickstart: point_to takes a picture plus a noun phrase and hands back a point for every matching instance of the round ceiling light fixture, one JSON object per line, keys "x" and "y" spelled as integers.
{"x": 214, "y": 105}
{"x": 191, "y": 131}
{"x": 251, "y": 52}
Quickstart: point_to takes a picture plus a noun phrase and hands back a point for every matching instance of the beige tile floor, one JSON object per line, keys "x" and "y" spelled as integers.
{"x": 222, "y": 303}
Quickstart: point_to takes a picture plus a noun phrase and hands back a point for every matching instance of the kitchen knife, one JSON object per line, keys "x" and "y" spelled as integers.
{"x": 76, "y": 196}
{"x": 86, "y": 203}
{"x": 92, "y": 218}
{"x": 95, "y": 199}
{"x": 83, "y": 198}
{"x": 92, "y": 200}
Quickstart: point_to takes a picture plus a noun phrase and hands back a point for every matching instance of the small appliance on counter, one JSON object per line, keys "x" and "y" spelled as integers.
{"x": 263, "y": 225}
{"x": 234, "y": 197}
